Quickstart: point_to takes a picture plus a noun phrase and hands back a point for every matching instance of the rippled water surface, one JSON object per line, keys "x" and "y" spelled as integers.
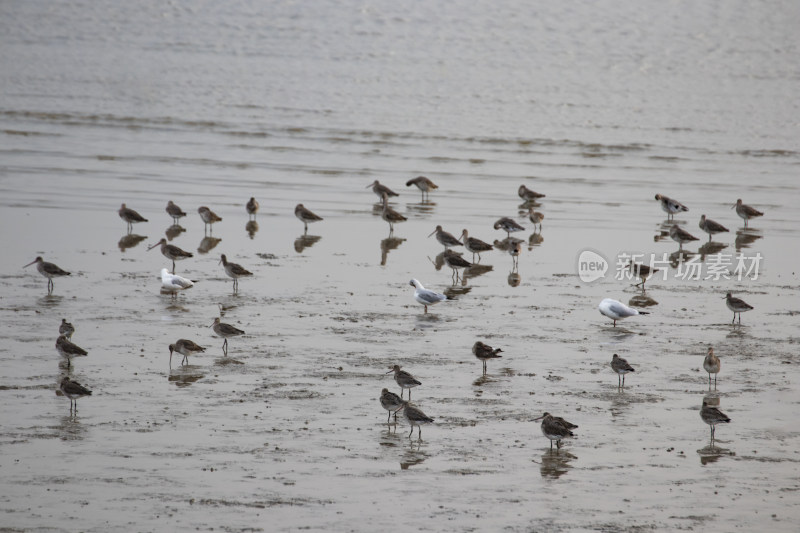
{"x": 600, "y": 106}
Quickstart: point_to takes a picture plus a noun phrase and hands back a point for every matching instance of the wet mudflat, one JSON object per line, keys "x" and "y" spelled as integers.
{"x": 287, "y": 432}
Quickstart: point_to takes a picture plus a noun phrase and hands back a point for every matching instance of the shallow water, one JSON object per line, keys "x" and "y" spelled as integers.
{"x": 600, "y": 108}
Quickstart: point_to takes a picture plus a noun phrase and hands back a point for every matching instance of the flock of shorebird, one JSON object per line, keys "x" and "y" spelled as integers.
{"x": 554, "y": 428}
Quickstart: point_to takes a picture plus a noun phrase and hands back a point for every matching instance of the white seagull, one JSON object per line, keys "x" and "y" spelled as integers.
{"x": 173, "y": 283}
{"x": 617, "y": 310}
{"x": 424, "y": 296}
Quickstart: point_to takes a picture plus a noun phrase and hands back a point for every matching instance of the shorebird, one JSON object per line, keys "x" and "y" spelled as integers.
{"x": 642, "y": 271}
{"x": 390, "y": 215}
{"x": 670, "y": 206}
{"x": 711, "y": 227}
{"x": 170, "y": 251}
{"x": 424, "y": 296}
{"x": 66, "y": 329}
{"x": 208, "y": 216}
{"x": 175, "y": 212}
{"x": 73, "y": 390}
{"x": 404, "y": 379}
{"x": 173, "y": 283}
{"x": 455, "y": 261}
{"x": 536, "y": 218}
{"x": 621, "y": 367}
{"x": 555, "y": 428}
{"x": 476, "y": 246}
{"x": 130, "y": 216}
{"x": 68, "y": 349}
{"x": 737, "y": 305}
{"x": 391, "y": 402}
{"x": 48, "y": 270}
{"x": 252, "y": 207}
{"x": 746, "y": 212}
{"x": 712, "y": 416}
{"x": 445, "y": 239}
{"x": 235, "y": 271}
{"x": 514, "y": 250}
{"x": 681, "y": 236}
{"x": 423, "y": 184}
{"x": 305, "y": 216}
{"x": 225, "y": 330}
{"x": 617, "y": 310}
{"x": 415, "y": 417}
{"x": 485, "y": 352}
{"x": 528, "y": 195}
{"x": 508, "y": 225}
{"x": 711, "y": 365}
{"x": 380, "y": 189}
{"x": 185, "y": 348}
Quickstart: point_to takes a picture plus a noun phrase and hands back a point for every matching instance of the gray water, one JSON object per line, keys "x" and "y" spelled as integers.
{"x": 599, "y": 105}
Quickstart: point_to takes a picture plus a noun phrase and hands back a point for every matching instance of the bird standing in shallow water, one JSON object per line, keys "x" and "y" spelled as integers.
{"x": 175, "y": 212}
{"x": 68, "y": 349}
{"x": 208, "y": 216}
{"x": 305, "y": 216}
{"x": 66, "y": 329}
{"x": 390, "y": 215}
{"x": 172, "y": 252}
{"x": 225, "y": 330}
{"x": 681, "y": 236}
{"x": 556, "y": 428}
{"x": 172, "y": 283}
{"x": 380, "y": 189}
{"x": 737, "y": 305}
{"x": 711, "y": 364}
{"x": 185, "y": 348}
{"x": 423, "y": 184}
{"x": 391, "y": 402}
{"x": 73, "y": 390}
{"x": 508, "y": 225}
{"x": 235, "y": 271}
{"x": 528, "y": 195}
{"x": 251, "y": 208}
{"x": 476, "y": 246}
{"x": 621, "y": 367}
{"x": 485, "y": 352}
{"x": 670, "y": 206}
{"x": 445, "y": 239}
{"x": 404, "y": 379}
{"x": 712, "y": 416}
{"x": 130, "y": 216}
{"x": 425, "y": 296}
{"x": 415, "y": 417}
{"x": 746, "y": 212}
{"x": 711, "y": 227}
{"x": 48, "y": 270}
{"x": 535, "y": 218}
{"x": 617, "y": 310}
{"x": 642, "y": 271}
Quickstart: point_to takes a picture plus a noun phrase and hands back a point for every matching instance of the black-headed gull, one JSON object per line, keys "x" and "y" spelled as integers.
{"x": 424, "y": 296}
{"x": 617, "y": 310}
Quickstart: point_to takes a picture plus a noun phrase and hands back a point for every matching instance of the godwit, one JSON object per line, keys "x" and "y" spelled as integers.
{"x": 175, "y": 212}
{"x": 445, "y": 239}
{"x": 555, "y": 428}
{"x": 415, "y": 417}
{"x": 535, "y": 218}
{"x": 711, "y": 227}
{"x": 380, "y": 189}
{"x": 681, "y": 236}
{"x": 711, "y": 364}
{"x": 642, "y": 271}
{"x": 225, "y": 330}
{"x": 621, "y": 367}
{"x": 252, "y": 207}
{"x": 737, "y": 305}
{"x": 48, "y": 270}
{"x": 130, "y": 216}
{"x": 476, "y": 246}
{"x": 712, "y": 416}
{"x": 746, "y": 212}
{"x": 185, "y": 348}
{"x": 508, "y": 225}
{"x": 528, "y": 195}
{"x": 404, "y": 379}
{"x": 209, "y": 217}
{"x": 66, "y": 329}
{"x": 390, "y": 215}
{"x": 170, "y": 251}
{"x": 391, "y": 402}
{"x": 485, "y": 352}
{"x": 73, "y": 390}
{"x": 423, "y": 184}
{"x": 68, "y": 349}
{"x": 305, "y": 216}
{"x": 235, "y": 271}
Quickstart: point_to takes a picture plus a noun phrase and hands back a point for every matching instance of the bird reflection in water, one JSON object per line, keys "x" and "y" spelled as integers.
{"x": 710, "y": 248}
{"x": 711, "y": 415}
{"x": 514, "y": 279}
{"x": 746, "y": 237}
{"x": 506, "y": 244}
{"x": 129, "y": 241}
{"x": 388, "y": 244}
{"x": 69, "y": 427}
{"x": 174, "y": 231}
{"x": 680, "y": 256}
{"x": 535, "y": 239}
{"x": 251, "y": 228}
{"x": 424, "y": 208}
{"x": 641, "y": 300}
{"x": 413, "y": 455}
{"x": 455, "y": 261}
{"x": 556, "y": 463}
{"x": 185, "y": 375}
{"x": 207, "y": 244}
{"x": 475, "y": 270}
{"x": 305, "y": 241}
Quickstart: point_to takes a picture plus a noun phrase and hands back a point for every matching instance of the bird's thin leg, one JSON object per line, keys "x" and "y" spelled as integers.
{"x": 225, "y": 347}
{"x": 389, "y": 417}
{"x": 426, "y": 309}
{"x": 412, "y": 431}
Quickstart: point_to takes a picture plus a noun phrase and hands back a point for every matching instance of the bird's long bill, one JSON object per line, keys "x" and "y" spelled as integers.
{"x": 212, "y": 324}
{"x": 434, "y": 231}
{"x": 29, "y": 264}
{"x": 535, "y": 419}
{"x": 151, "y": 247}
{"x": 390, "y": 371}
{"x": 220, "y": 261}
{"x": 370, "y": 185}
{"x": 734, "y": 205}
